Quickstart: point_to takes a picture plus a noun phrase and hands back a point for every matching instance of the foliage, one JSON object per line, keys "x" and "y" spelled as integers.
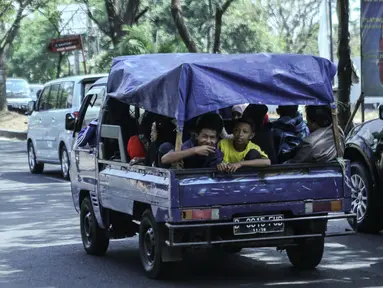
{"x": 247, "y": 27}
{"x": 295, "y": 22}
{"x": 137, "y": 40}
{"x": 30, "y": 58}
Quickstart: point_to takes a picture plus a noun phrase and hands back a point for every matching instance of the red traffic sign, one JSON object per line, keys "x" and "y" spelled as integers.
{"x": 69, "y": 43}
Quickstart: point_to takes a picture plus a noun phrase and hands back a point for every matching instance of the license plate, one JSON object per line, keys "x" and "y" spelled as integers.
{"x": 259, "y": 228}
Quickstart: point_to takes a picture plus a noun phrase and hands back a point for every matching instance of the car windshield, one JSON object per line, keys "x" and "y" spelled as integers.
{"x": 17, "y": 88}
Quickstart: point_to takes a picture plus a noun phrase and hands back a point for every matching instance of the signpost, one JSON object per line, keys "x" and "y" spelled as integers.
{"x": 68, "y": 43}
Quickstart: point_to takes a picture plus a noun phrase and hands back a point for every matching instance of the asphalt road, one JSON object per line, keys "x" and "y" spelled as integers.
{"x": 40, "y": 246}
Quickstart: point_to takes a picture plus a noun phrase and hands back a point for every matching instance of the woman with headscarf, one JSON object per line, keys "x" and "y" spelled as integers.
{"x": 236, "y": 113}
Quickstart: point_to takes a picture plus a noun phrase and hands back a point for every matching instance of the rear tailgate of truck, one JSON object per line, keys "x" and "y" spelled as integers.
{"x": 279, "y": 183}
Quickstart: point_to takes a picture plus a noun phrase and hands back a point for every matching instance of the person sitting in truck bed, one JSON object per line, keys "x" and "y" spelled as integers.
{"x": 138, "y": 145}
{"x": 289, "y": 131}
{"x": 87, "y": 135}
{"x": 200, "y": 151}
{"x": 240, "y": 151}
{"x": 236, "y": 113}
{"x": 319, "y": 146}
{"x": 163, "y": 131}
{"x": 263, "y": 134}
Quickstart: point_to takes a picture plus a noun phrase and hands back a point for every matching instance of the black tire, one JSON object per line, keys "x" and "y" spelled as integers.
{"x": 64, "y": 162}
{"x": 307, "y": 254}
{"x": 34, "y": 166}
{"x": 150, "y": 234}
{"x": 94, "y": 239}
{"x": 370, "y": 221}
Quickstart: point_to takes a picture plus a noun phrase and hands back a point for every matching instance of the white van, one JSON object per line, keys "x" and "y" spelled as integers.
{"x": 47, "y": 139}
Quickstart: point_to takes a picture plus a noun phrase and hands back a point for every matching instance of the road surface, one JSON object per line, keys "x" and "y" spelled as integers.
{"x": 40, "y": 246}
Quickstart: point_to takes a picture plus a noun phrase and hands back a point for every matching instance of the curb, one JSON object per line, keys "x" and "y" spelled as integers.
{"x": 13, "y": 134}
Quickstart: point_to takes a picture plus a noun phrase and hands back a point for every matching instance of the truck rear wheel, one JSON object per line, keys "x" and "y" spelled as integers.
{"x": 94, "y": 239}
{"x": 307, "y": 254}
{"x": 150, "y": 243}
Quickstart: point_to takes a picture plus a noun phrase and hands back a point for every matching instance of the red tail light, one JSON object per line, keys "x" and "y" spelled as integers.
{"x": 75, "y": 114}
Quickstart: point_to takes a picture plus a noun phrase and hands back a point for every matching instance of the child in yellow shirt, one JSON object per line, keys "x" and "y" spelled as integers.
{"x": 240, "y": 151}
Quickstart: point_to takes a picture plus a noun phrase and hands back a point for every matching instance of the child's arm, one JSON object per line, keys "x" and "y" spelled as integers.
{"x": 252, "y": 159}
{"x": 249, "y": 163}
{"x": 173, "y": 156}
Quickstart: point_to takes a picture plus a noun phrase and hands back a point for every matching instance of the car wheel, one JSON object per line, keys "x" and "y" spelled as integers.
{"x": 150, "y": 243}
{"x": 34, "y": 166}
{"x": 65, "y": 163}
{"x": 364, "y": 201}
{"x": 94, "y": 239}
{"x": 307, "y": 254}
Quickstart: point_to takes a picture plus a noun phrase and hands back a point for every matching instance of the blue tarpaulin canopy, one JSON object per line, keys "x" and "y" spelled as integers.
{"x": 184, "y": 86}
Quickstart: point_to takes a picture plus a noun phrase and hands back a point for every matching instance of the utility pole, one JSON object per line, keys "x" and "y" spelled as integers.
{"x": 331, "y": 38}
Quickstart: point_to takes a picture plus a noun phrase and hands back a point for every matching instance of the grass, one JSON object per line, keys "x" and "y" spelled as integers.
{"x": 13, "y": 121}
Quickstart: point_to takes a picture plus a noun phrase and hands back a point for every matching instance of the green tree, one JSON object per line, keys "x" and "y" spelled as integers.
{"x": 112, "y": 15}
{"x": 12, "y": 13}
{"x": 296, "y": 23}
{"x": 213, "y": 26}
{"x": 30, "y": 56}
{"x": 137, "y": 40}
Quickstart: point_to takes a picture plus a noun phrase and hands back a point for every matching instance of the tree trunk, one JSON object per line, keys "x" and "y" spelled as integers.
{"x": 181, "y": 27}
{"x": 218, "y": 25}
{"x": 344, "y": 65}
{"x": 3, "y": 77}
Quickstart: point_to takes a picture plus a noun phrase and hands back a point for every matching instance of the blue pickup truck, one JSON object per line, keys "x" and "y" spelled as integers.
{"x": 173, "y": 210}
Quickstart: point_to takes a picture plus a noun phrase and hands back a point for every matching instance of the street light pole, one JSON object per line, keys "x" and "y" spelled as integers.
{"x": 331, "y": 40}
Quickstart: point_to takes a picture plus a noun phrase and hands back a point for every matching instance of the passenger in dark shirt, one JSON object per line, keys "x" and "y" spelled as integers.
{"x": 163, "y": 131}
{"x": 200, "y": 151}
{"x": 289, "y": 131}
{"x": 263, "y": 134}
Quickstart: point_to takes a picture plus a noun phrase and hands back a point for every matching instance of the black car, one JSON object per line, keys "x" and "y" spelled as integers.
{"x": 363, "y": 146}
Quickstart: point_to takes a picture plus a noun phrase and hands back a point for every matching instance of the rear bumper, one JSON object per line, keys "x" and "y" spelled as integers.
{"x": 255, "y": 239}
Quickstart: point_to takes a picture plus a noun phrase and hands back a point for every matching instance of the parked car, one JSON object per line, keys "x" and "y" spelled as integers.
{"x": 18, "y": 94}
{"x": 366, "y": 174}
{"x": 34, "y": 89}
{"x": 47, "y": 139}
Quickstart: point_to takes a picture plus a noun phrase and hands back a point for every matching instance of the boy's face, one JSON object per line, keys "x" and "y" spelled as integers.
{"x": 242, "y": 133}
{"x": 207, "y": 137}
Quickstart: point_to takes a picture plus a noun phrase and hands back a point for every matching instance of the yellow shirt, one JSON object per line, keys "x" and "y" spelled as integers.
{"x": 230, "y": 155}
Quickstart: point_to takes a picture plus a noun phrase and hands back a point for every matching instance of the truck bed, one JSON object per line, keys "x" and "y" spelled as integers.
{"x": 278, "y": 183}
{"x": 267, "y": 190}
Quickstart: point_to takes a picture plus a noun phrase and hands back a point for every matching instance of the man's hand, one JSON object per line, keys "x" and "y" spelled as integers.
{"x": 233, "y": 167}
{"x": 222, "y": 167}
{"x": 204, "y": 150}
{"x": 136, "y": 161}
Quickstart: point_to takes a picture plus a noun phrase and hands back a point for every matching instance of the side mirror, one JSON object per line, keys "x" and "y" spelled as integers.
{"x": 70, "y": 121}
{"x": 30, "y": 107}
{"x": 381, "y": 112}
